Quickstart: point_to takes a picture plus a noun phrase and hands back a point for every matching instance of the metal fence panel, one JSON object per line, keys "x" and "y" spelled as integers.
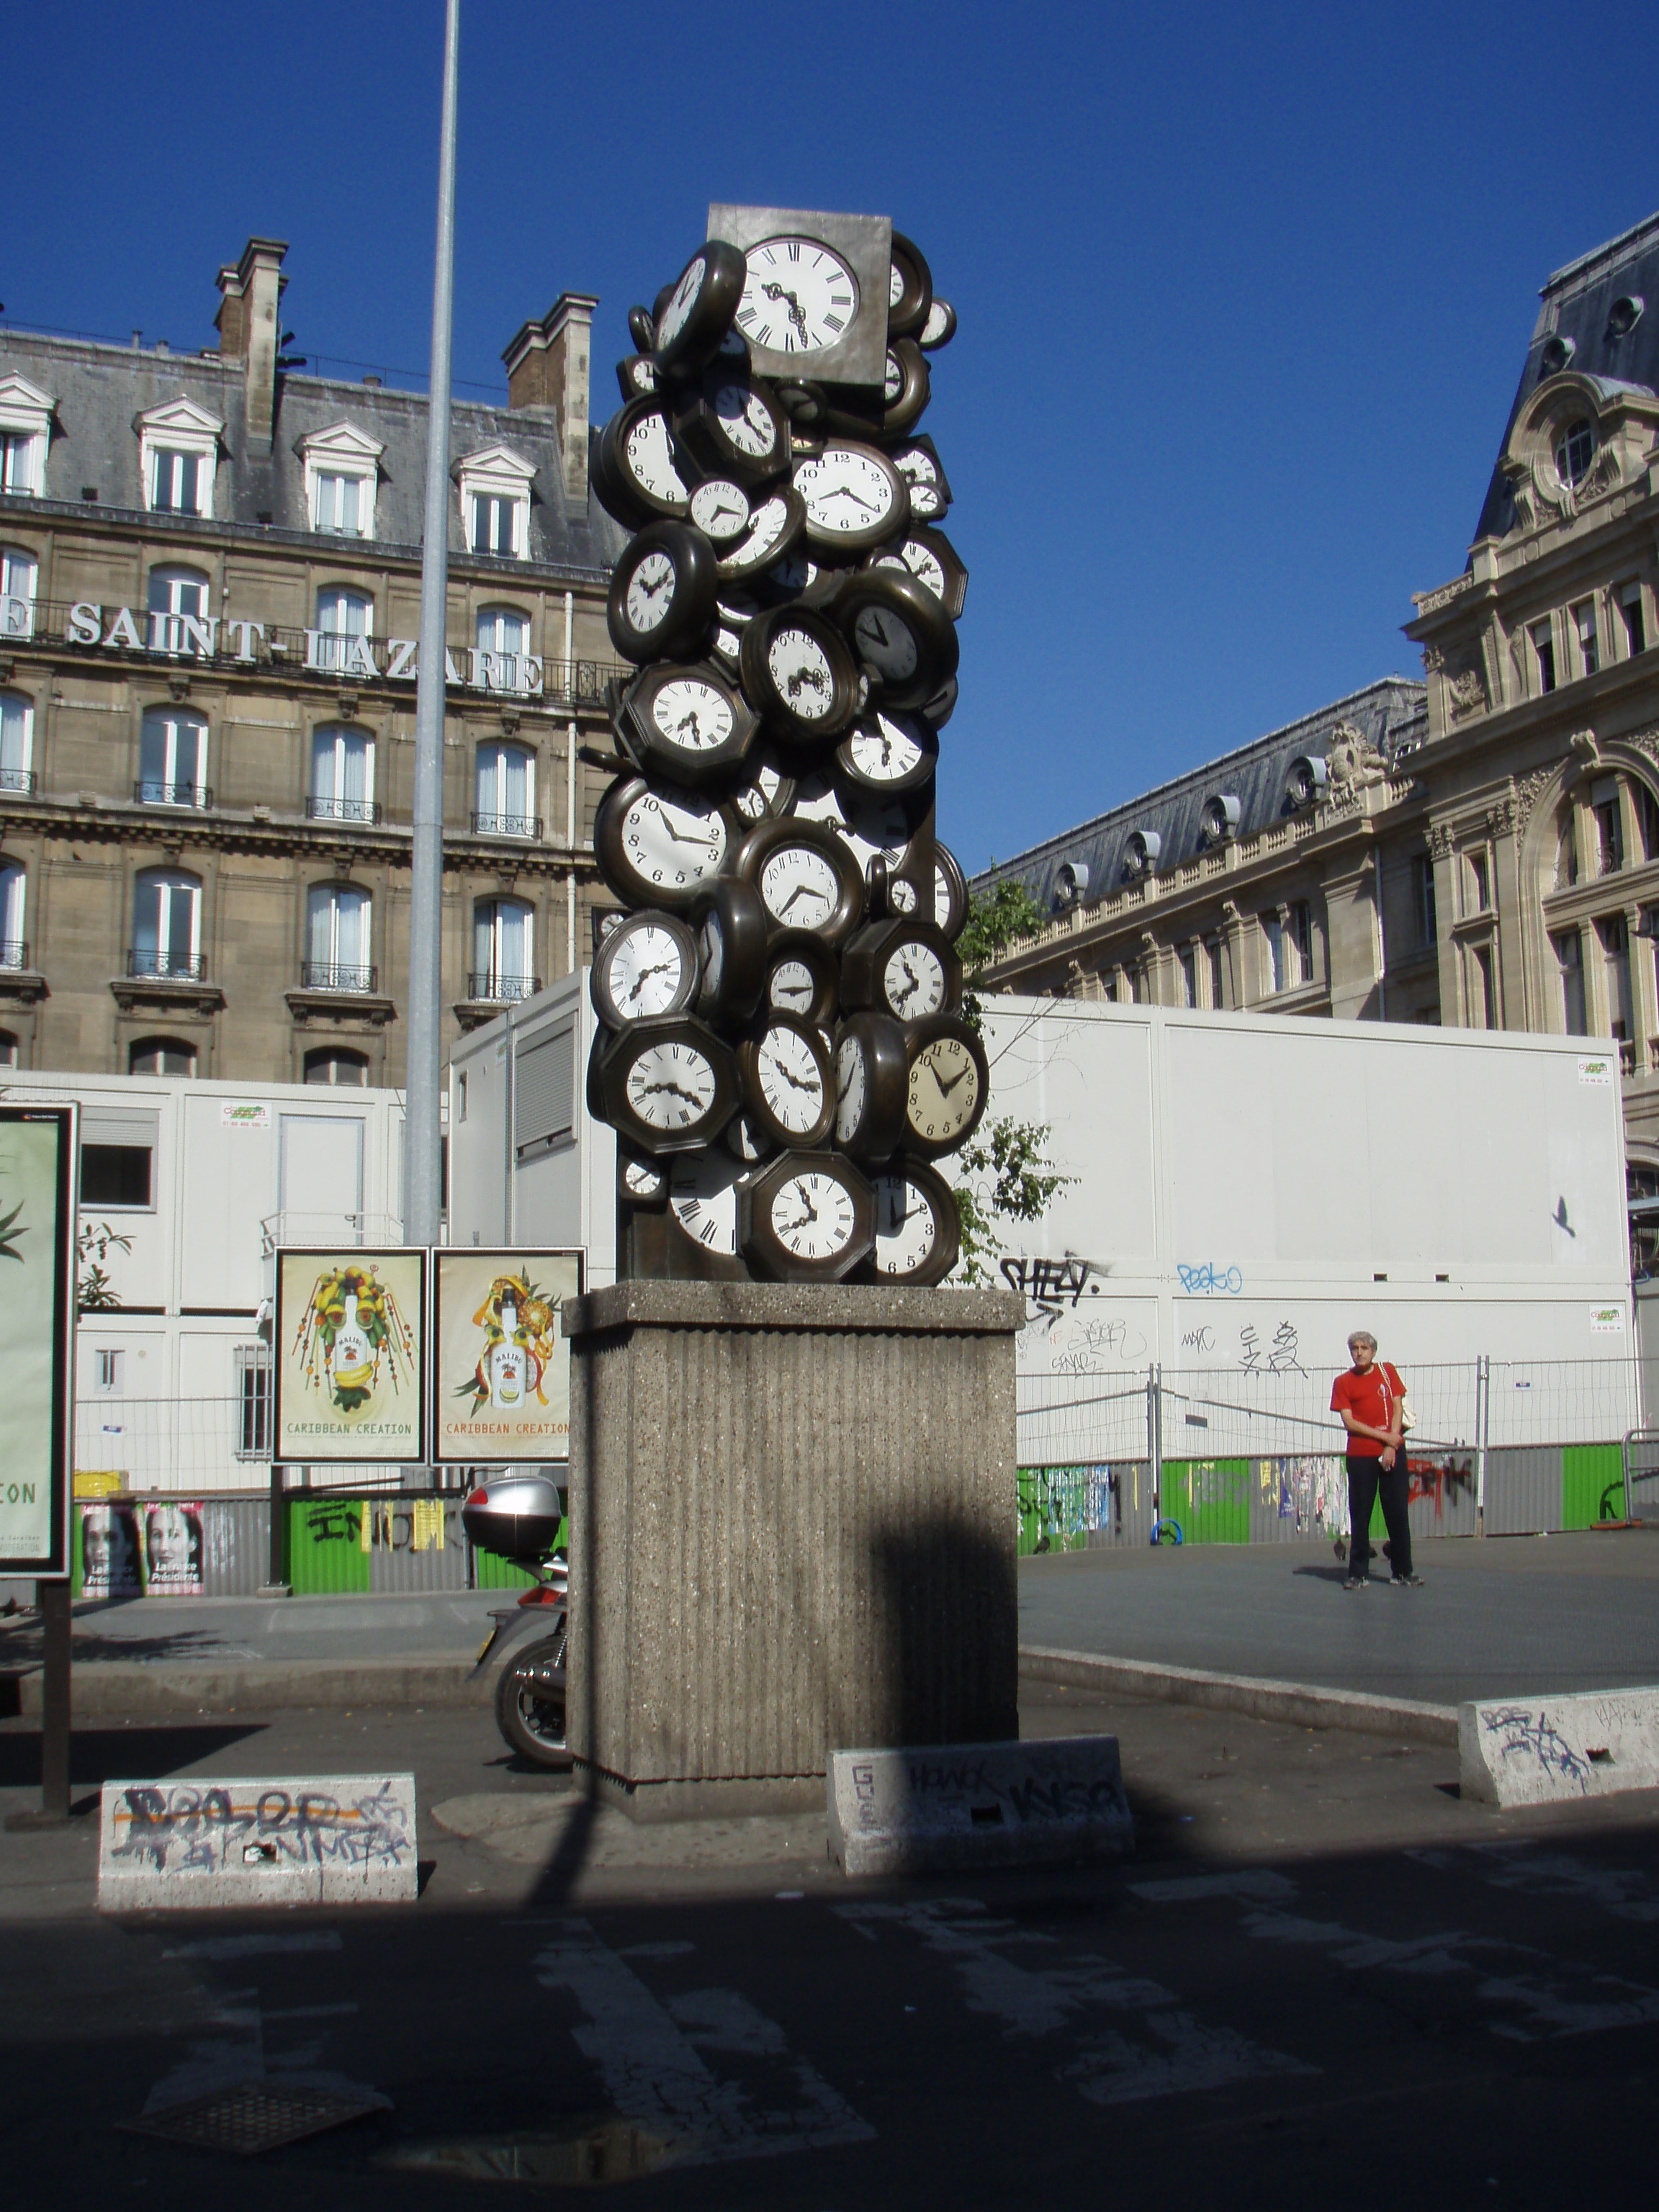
{"x": 236, "y": 1546}
{"x": 1079, "y": 1420}
{"x": 416, "y": 1542}
{"x": 1523, "y": 1489}
{"x": 1071, "y": 1509}
{"x": 1562, "y": 1402}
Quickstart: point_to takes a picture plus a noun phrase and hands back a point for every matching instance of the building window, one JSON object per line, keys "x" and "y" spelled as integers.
{"x": 253, "y": 1401}
{"x": 1583, "y": 625}
{"x": 505, "y": 791}
{"x": 175, "y": 482}
{"x": 1299, "y": 918}
{"x": 1543, "y": 646}
{"x": 115, "y": 1175}
{"x": 1477, "y": 884}
{"x": 342, "y": 475}
{"x": 108, "y": 1370}
{"x": 504, "y": 662}
{"x": 161, "y": 1056}
{"x": 338, "y": 938}
{"x": 16, "y": 742}
{"x": 495, "y": 487}
{"x": 341, "y": 776}
{"x": 1615, "y": 960}
{"x": 1575, "y": 450}
{"x": 1213, "y": 961}
{"x": 1273, "y": 937}
{"x": 173, "y": 760}
{"x": 1609, "y": 827}
{"x": 19, "y": 573}
{"x": 493, "y": 519}
{"x": 1629, "y": 603}
{"x": 334, "y": 1066}
{"x": 1188, "y": 975}
{"x": 178, "y": 603}
{"x": 1570, "y": 954}
{"x": 1428, "y": 924}
{"x": 14, "y": 950}
{"x": 345, "y": 622}
{"x": 1566, "y": 847}
{"x": 1647, "y": 819}
{"x": 1485, "y": 989}
{"x": 503, "y": 951}
{"x": 9, "y": 1049}
{"x": 178, "y": 447}
{"x": 17, "y": 468}
{"x": 341, "y": 506}
{"x": 167, "y": 924}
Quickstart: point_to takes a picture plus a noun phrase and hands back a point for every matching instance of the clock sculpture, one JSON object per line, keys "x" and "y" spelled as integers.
{"x": 782, "y": 1051}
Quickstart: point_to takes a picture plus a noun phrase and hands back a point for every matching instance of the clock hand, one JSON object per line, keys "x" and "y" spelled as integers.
{"x": 662, "y": 968}
{"x": 946, "y": 1088}
{"x": 674, "y": 1090}
{"x": 846, "y": 491}
{"x": 813, "y": 1088}
{"x": 780, "y": 292}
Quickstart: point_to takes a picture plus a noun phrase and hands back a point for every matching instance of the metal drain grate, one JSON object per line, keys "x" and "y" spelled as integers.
{"x": 254, "y": 2116}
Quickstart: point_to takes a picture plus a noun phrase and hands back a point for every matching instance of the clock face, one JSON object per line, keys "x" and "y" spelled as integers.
{"x": 671, "y": 1086}
{"x": 713, "y": 954}
{"x": 702, "y": 1197}
{"x": 792, "y": 987}
{"x": 813, "y": 1215}
{"x": 791, "y": 1081}
{"x": 851, "y": 1085}
{"x": 800, "y": 670}
{"x": 895, "y": 287}
{"x": 848, "y": 494}
{"x": 921, "y": 559}
{"x": 921, "y": 471}
{"x": 886, "y": 749}
{"x": 944, "y": 1091}
{"x": 648, "y": 457}
{"x": 892, "y": 381}
{"x": 720, "y": 510}
{"x": 886, "y": 641}
{"x": 799, "y": 297}
{"x": 873, "y": 824}
{"x": 671, "y": 321}
{"x": 673, "y": 841}
{"x": 650, "y": 590}
{"x": 799, "y": 887}
{"x": 913, "y": 980}
{"x": 692, "y": 715}
{"x": 906, "y": 1228}
{"x": 759, "y": 795}
{"x": 643, "y": 1179}
{"x": 795, "y": 575}
{"x": 901, "y": 897}
{"x": 766, "y": 525}
{"x": 747, "y": 421}
{"x": 646, "y": 974}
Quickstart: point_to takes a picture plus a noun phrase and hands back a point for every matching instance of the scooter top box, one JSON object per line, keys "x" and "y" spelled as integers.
{"x": 517, "y": 1515}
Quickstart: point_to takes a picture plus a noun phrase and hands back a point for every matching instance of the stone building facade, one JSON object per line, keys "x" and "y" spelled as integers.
{"x": 1481, "y": 848}
{"x": 209, "y": 590}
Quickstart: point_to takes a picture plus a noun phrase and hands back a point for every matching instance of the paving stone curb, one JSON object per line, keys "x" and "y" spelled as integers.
{"x": 138, "y": 1690}
{"x": 1303, "y": 1702}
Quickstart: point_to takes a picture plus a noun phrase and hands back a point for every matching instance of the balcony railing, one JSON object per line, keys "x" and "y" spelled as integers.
{"x": 14, "y": 955}
{"x": 325, "y": 975}
{"x": 176, "y": 967}
{"x": 23, "y": 781}
{"x": 501, "y": 990}
{"x": 344, "y": 810}
{"x": 506, "y": 825}
{"x": 147, "y": 794}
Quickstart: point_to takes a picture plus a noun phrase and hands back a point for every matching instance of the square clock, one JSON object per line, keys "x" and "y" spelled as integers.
{"x": 815, "y": 304}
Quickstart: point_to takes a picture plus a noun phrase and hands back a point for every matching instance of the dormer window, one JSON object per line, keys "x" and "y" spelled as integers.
{"x": 1307, "y": 783}
{"x": 25, "y": 415}
{"x": 1575, "y": 449}
{"x": 1140, "y": 854}
{"x": 179, "y": 452}
{"x": 343, "y": 470}
{"x": 1220, "y": 822}
{"x": 495, "y": 503}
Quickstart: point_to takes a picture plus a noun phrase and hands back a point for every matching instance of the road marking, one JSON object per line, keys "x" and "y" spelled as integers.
{"x": 255, "y": 1946}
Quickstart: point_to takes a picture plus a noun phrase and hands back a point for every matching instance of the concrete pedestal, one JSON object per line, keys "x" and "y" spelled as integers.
{"x": 792, "y": 1530}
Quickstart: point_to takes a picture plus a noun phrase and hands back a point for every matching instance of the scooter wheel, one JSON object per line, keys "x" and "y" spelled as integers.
{"x": 529, "y": 1702}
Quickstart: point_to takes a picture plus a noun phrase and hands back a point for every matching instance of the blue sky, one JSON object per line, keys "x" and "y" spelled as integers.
{"x": 1243, "y": 293}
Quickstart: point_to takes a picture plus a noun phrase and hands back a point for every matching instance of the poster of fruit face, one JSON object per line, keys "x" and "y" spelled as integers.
{"x": 350, "y": 1364}
{"x": 502, "y": 1387}
{"x": 38, "y": 1183}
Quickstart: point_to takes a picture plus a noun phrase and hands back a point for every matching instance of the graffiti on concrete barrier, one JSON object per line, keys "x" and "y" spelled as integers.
{"x": 176, "y": 1828}
{"x": 1521, "y": 1735}
{"x": 1206, "y": 1280}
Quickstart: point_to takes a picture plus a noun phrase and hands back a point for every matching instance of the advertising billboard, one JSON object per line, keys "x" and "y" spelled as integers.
{"x": 501, "y": 1385}
{"x": 351, "y": 1356}
{"x": 38, "y": 1185}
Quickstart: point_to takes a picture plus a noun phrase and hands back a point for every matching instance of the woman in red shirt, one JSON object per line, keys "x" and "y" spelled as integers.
{"x": 1368, "y": 1398}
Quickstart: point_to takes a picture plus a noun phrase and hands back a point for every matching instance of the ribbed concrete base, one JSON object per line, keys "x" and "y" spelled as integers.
{"x": 793, "y": 1529}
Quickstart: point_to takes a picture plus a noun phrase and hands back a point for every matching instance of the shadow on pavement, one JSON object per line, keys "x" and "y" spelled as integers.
{"x": 99, "y": 1755}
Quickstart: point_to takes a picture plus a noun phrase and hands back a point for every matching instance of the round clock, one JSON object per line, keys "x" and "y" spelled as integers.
{"x": 899, "y": 632}
{"x": 731, "y": 946}
{"x": 949, "y": 1084}
{"x": 807, "y": 1218}
{"x": 939, "y": 328}
{"x": 917, "y": 461}
{"x": 902, "y": 968}
{"x": 906, "y": 388}
{"x": 888, "y": 752}
{"x": 910, "y": 290}
{"x": 799, "y": 297}
{"x": 669, "y": 1084}
{"x": 788, "y": 1084}
{"x": 950, "y": 895}
{"x": 768, "y": 788}
{"x": 872, "y": 1086}
{"x": 918, "y": 1229}
{"x": 638, "y": 463}
{"x": 720, "y": 509}
{"x": 637, "y": 376}
{"x": 731, "y": 425}
{"x": 798, "y": 673}
{"x": 646, "y": 966}
{"x": 703, "y": 1204}
{"x": 747, "y": 1141}
{"x": 856, "y": 496}
{"x": 686, "y": 723}
{"x": 805, "y": 876}
{"x": 641, "y": 328}
{"x": 700, "y": 308}
{"x": 868, "y": 823}
{"x": 931, "y": 559}
{"x": 663, "y": 592}
{"x": 639, "y": 1181}
{"x": 803, "y": 979}
{"x": 658, "y": 845}
{"x": 937, "y": 711}
{"x": 797, "y": 579}
{"x": 776, "y": 525}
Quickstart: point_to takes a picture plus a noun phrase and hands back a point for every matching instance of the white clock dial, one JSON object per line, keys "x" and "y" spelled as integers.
{"x": 895, "y": 287}
{"x": 641, "y": 1179}
{"x": 720, "y": 510}
{"x": 650, "y": 458}
{"x": 848, "y": 493}
{"x": 923, "y": 564}
{"x": 746, "y": 1139}
{"x": 943, "y": 1089}
{"x": 799, "y": 887}
{"x": 754, "y": 799}
{"x": 800, "y": 669}
{"x": 887, "y": 643}
{"x": 685, "y": 298}
{"x": 673, "y": 840}
{"x": 747, "y": 422}
{"x": 692, "y": 715}
{"x": 813, "y": 1217}
{"x": 799, "y": 298}
{"x": 921, "y": 471}
{"x": 906, "y": 1229}
{"x": 901, "y": 896}
{"x": 873, "y": 824}
{"x": 671, "y": 1086}
{"x": 913, "y": 980}
{"x": 766, "y": 524}
{"x": 702, "y": 1197}
{"x": 651, "y": 591}
{"x": 892, "y": 382}
{"x": 647, "y": 971}
{"x": 850, "y": 1081}
{"x": 790, "y": 988}
{"x": 884, "y": 750}
{"x": 941, "y": 897}
{"x": 714, "y": 953}
{"x": 795, "y": 574}
{"x": 790, "y": 1080}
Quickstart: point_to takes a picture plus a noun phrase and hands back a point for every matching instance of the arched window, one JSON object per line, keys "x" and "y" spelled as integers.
{"x": 338, "y": 938}
{"x": 161, "y": 1056}
{"x": 8, "y": 1054}
{"x": 345, "y": 623}
{"x": 503, "y": 950}
{"x": 167, "y": 924}
{"x": 342, "y": 775}
{"x": 19, "y": 573}
{"x": 1566, "y": 847}
{"x": 333, "y": 1064}
{"x": 17, "y": 741}
{"x": 1575, "y": 449}
{"x": 178, "y": 612}
{"x": 503, "y": 662}
{"x": 173, "y": 760}
{"x": 13, "y": 953}
{"x": 505, "y": 791}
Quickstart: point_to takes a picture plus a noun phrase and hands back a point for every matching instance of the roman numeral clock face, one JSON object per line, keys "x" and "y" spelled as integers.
{"x": 799, "y": 297}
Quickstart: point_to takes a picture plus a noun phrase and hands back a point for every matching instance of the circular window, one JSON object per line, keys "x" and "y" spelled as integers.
{"x": 1574, "y": 450}
{"x": 1558, "y": 352}
{"x": 1624, "y": 315}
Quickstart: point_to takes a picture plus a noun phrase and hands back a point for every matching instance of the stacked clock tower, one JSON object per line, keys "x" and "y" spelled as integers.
{"x": 783, "y": 1051}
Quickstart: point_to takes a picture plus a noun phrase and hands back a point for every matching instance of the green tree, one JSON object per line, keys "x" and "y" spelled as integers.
{"x": 93, "y": 1291}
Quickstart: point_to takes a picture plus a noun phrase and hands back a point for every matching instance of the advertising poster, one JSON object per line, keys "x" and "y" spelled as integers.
{"x": 172, "y": 1547}
{"x": 350, "y": 1365}
{"x": 501, "y": 1387}
{"x": 110, "y": 1549}
{"x": 37, "y": 1335}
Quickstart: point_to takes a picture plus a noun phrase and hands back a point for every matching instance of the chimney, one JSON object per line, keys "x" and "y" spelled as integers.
{"x": 248, "y": 330}
{"x": 547, "y": 367}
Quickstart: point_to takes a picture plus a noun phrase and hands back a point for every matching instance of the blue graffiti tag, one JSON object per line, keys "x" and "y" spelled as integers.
{"x": 1207, "y": 1279}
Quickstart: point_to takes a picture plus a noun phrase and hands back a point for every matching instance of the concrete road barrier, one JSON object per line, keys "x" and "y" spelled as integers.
{"x": 1549, "y": 1751}
{"x": 316, "y": 1840}
{"x": 936, "y": 1808}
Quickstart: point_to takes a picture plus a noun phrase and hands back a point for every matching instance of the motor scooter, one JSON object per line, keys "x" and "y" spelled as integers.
{"x": 517, "y": 1517}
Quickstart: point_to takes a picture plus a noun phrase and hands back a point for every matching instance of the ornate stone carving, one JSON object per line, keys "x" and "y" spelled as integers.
{"x": 1585, "y": 748}
{"x": 1440, "y": 840}
{"x": 1428, "y": 603}
{"x": 1527, "y": 794}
